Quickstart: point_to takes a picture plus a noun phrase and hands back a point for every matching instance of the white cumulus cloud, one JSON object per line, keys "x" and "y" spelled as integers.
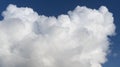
{"x": 77, "y": 39}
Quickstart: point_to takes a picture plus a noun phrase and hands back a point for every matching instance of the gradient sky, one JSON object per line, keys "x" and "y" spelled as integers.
{"x": 57, "y": 7}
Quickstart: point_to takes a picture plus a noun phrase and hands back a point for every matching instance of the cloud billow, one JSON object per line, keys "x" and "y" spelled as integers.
{"x": 77, "y": 39}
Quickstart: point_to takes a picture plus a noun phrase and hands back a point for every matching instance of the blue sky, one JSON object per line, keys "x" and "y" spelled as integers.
{"x": 57, "y": 7}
